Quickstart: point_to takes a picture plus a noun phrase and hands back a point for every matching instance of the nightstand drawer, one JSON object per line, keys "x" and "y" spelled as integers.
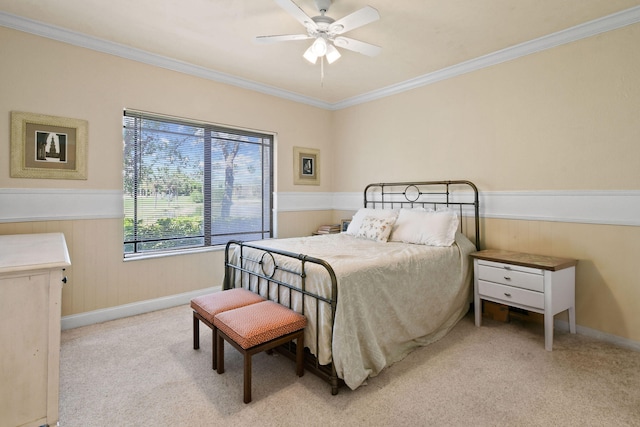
{"x": 511, "y": 295}
{"x": 502, "y": 273}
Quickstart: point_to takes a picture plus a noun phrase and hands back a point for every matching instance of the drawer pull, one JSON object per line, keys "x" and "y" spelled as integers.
{"x": 506, "y": 267}
{"x": 507, "y": 294}
{"x": 507, "y": 278}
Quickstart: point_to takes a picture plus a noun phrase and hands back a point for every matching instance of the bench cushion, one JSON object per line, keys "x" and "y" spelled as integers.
{"x": 210, "y": 305}
{"x": 258, "y": 323}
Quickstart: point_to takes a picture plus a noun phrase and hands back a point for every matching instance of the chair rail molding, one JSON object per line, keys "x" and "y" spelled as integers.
{"x": 43, "y": 204}
{"x": 613, "y": 207}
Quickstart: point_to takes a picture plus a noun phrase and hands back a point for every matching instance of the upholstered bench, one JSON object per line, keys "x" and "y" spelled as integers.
{"x": 259, "y": 327}
{"x": 207, "y": 306}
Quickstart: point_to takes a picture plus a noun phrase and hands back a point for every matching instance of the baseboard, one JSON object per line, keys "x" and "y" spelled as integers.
{"x": 563, "y": 325}
{"x": 133, "y": 309}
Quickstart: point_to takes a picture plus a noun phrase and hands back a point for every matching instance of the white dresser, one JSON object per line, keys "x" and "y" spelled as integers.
{"x": 31, "y": 277}
{"x": 537, "y": 283}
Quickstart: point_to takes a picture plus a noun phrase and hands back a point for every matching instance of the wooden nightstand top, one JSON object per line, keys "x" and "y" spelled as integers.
{"x": 527, "y": 260}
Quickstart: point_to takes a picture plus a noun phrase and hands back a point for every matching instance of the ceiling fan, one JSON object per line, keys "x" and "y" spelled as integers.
{"x": 326, "y": 31}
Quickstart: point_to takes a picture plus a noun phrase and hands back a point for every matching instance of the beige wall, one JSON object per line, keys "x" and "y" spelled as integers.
{"x": 607, "y": 291}
{"x": 565, "y": 118}
{"x": 39, "y": 75}
{"x": 562, "y": 119}
{"x": 98, "y": 278}
{"x": 302, "y": 224}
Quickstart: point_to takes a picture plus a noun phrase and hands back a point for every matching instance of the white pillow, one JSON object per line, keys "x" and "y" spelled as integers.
{"x": 426, "y": 227}
{"x": 401, "y": 222}
{"x": 377, "y": 229}
{"x": 356, "y": 221}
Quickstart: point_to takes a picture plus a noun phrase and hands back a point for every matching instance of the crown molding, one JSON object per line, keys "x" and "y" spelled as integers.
{"x": 587, "y": 29}
{"x": 127, "y": 52}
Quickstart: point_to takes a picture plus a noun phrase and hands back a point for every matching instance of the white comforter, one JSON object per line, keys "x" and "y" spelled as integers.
{"x": 392, "y": 298}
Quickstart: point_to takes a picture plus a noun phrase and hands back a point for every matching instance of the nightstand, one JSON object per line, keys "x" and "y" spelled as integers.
{"x": 537, "y": 283}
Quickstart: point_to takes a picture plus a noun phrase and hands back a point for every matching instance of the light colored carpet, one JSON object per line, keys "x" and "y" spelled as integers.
{"x": 143, "y": 371}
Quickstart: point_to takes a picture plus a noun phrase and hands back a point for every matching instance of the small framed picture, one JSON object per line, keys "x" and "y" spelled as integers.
{"x": 48, "y": 147}
{"x": 306, "y": 166}
{"x": 344, "y": 224}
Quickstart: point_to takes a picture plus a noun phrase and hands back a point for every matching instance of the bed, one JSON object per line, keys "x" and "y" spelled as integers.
{"x": 398, "y": 278}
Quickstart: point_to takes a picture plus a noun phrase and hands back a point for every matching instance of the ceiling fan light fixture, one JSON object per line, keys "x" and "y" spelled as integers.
{"x": 310, "y": 56}
{"x": 332, "y": 54}
{"x": 319, "y": 46}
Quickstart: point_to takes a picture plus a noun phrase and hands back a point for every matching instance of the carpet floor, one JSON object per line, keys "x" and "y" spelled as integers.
{"x": 143, "y": 370}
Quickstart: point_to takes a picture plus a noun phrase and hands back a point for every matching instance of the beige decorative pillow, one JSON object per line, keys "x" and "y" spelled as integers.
{"x": 356, "y": 221}
{"x": 377, "y": 229}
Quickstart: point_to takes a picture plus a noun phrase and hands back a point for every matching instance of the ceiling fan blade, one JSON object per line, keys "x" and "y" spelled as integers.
{"x": 357, "y": 46}
{"x": 299, "y": 14}
{"x": 357, "y": 19}
{"x": 281, "y": 38}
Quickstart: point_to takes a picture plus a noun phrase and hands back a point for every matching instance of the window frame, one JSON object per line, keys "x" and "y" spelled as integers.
{"x": 209, "y": 129}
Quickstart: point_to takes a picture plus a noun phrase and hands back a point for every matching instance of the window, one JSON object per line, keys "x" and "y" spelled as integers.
{"x": 190, "y": 184}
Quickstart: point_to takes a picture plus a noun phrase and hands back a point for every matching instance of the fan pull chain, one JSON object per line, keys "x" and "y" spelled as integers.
{"x": 322, "y": 71}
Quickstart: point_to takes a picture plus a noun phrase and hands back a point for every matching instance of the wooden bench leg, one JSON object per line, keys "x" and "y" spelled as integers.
{"x": 247, "y": 377}
{"x": 214, "y": 349}
{"x": 196, "y": 332}
{"x": 220, "y": 360}
{"x": 248, "y": 354}
{"x": 243, "y": 323}
{"x": 300, "y": 354}
{"x": 196, "y": 337}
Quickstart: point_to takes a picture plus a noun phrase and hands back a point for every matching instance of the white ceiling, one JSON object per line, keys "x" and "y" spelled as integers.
{"x": 216, "y": 37}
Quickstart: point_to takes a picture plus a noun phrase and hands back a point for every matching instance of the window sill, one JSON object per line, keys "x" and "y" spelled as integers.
{"x": 140, "y": 257}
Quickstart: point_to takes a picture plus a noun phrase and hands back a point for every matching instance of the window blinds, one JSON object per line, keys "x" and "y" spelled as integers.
{"x": 189, "y": 184}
